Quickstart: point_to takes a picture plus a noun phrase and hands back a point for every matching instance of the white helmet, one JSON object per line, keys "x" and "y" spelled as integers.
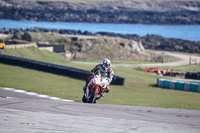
{"x": 106, "y": 64}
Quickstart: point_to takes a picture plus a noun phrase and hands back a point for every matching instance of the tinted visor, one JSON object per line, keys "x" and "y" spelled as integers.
{"x": 106, "y": 65}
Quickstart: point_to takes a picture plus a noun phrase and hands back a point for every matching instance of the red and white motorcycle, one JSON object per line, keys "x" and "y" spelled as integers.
{"x": 96, "y": 91}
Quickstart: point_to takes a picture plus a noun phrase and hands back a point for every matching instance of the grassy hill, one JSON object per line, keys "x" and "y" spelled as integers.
{"x": 139, "y": 90}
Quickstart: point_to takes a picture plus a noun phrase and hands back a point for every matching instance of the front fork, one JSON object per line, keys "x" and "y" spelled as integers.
{"x": 87, "y": 93}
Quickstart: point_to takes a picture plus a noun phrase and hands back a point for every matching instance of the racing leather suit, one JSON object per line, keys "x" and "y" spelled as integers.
{"x": 99, "y": 69}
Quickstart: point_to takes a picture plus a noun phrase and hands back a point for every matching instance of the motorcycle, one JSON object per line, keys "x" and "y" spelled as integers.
{"x": 96, "y": 91}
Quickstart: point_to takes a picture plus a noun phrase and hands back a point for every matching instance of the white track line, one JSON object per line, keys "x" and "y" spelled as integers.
{"x": 37, "y": 95}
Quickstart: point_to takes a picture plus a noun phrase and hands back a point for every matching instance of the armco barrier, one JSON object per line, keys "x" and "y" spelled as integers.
{"x": 178, "y": 85}
{"x": 53, "y": 68}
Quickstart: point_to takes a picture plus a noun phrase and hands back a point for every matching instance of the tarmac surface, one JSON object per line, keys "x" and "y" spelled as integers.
{"x": 29, "y": 114}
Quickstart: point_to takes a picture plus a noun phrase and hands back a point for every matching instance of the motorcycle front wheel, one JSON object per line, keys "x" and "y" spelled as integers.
{"x": 92, "y": 96}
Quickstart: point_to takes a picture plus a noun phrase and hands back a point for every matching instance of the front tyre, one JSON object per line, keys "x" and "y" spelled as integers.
{"x": 92, "y": 96}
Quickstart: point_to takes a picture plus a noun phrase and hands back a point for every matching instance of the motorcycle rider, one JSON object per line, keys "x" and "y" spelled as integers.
{"x": 105, "y": 71}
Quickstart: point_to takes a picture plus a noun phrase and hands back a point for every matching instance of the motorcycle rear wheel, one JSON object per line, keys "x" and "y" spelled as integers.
{"x": 84, "y": 100}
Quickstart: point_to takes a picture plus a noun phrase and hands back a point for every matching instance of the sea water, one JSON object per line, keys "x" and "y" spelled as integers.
{"x": 186, "y": 32}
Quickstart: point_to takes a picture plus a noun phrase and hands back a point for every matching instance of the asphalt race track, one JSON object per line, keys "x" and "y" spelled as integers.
{"x": 25, "y": 113}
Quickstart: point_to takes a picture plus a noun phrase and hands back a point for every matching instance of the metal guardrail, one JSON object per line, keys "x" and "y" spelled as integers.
{"x": 53, "y": 68}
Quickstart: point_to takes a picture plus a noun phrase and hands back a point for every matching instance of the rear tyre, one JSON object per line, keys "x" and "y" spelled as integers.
{"x": 84, "y": 100}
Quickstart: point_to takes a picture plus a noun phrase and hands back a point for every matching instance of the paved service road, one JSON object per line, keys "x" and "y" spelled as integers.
{"x": 44, "y": 115}
{"x": 183, "y": 60}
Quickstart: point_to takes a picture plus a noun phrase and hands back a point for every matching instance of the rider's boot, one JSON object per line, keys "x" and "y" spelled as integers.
{"x": 84, "y": 89}
{"x": 89, "y": 86}
{"x": 107, "y": 89}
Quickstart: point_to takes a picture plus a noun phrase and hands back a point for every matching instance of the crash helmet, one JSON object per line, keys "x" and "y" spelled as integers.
{"x": 106, "y": 64}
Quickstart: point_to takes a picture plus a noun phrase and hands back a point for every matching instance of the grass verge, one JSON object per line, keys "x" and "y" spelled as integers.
{"x": 139, "y": 90}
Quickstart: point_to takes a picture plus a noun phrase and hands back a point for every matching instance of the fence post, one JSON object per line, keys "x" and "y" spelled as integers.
{"x": 163, "y": 59}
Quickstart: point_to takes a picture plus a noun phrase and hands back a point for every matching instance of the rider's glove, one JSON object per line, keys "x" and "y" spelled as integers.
{"x": 91, "y": 73}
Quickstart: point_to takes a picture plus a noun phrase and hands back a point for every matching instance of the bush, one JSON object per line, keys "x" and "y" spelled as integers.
{"x": 26, "y": 36}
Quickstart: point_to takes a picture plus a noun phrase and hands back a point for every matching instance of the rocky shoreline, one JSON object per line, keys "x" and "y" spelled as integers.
{"x": 153, "y": 42}
{"x": 166, "y": 12}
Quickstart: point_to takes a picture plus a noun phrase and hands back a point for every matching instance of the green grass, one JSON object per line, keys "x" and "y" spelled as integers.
{"x": 183, "y": 53}
{"x": 36, "y": 54}
{"x": 139, "y": 89}
{"x": 40, "y": 82}
{"x": 167, "y": 59}
{"x": 43, "y": 55}
{"x": 183, "y": 69}
{"x": 191, "y": 54}
{"x": 120, "y": 61}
